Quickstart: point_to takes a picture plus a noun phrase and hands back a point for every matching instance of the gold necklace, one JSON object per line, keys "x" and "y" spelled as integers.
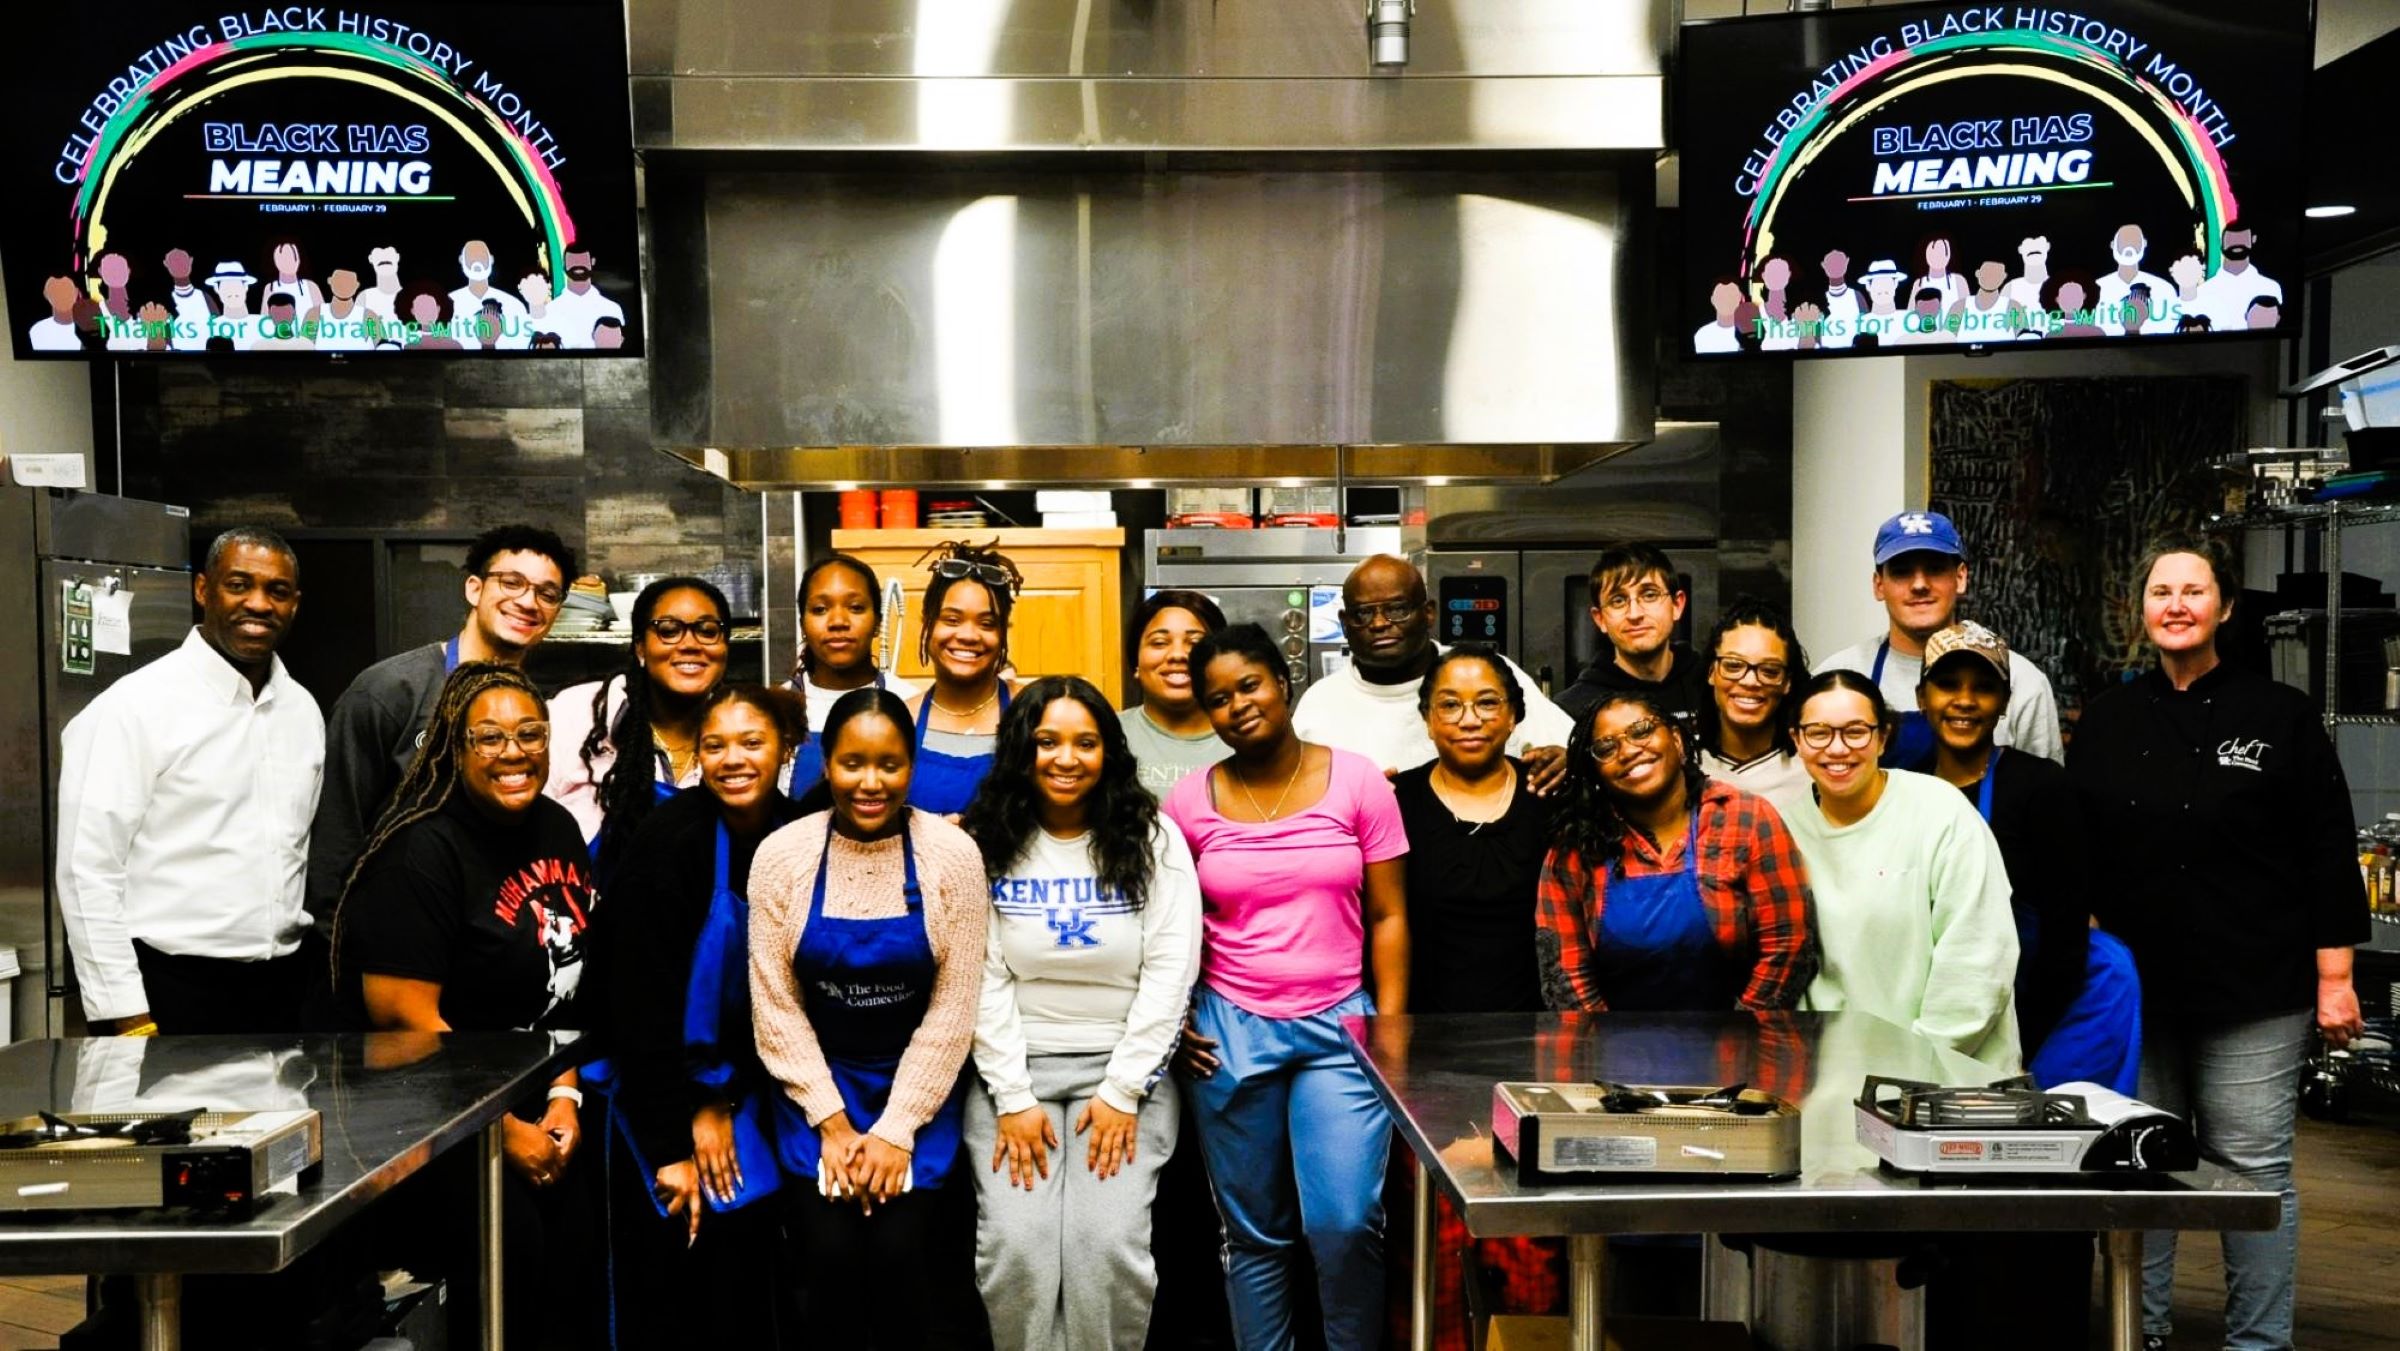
{"x": 1269, "y": 815}
{"x": 940, "y": 707}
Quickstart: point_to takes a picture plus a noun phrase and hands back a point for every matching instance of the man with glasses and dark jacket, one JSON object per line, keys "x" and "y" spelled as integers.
{"x": 516, "y": 579}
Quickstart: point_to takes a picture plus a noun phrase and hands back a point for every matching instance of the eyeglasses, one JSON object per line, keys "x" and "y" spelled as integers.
{"x": 1736, "y": 670}
{"x": 1617, "y": 602}
{"x": 963, "y": 569}
{"x": 1855, "y": 735}
{"x": 1605, "y": 749}
{"x": 1391, "y": 612}
{"x": 487, "y": 739}
{"x": 706, "y": 632}
{"x": 1455, "y": 710}
{"x": 514, "y": 584}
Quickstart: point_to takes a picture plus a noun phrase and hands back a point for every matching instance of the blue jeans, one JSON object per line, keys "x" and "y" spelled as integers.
{"x": 2240, "y": 1086}
{"x": 1290, "y": 1114}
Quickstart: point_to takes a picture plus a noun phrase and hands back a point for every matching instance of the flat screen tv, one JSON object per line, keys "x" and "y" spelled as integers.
{"x": 1951, "y": 175}
{"x": 203, "y": 179}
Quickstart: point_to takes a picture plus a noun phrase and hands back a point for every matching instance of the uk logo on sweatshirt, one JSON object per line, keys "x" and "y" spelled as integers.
{"x": 1070, "y": 906}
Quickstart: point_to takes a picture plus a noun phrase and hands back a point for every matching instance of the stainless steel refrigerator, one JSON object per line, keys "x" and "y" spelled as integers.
{"x": 60, "y": 551}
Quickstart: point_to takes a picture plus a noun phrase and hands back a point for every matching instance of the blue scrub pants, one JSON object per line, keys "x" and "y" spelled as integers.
{"x": 1288, "y": 1116}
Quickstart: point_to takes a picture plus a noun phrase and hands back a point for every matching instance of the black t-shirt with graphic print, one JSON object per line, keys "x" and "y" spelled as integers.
{"x": 493, "y": 913}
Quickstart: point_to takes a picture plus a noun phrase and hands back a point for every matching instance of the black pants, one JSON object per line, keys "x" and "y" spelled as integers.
{"x": 897, "y": 1280}
{"x": 203, "y": 995}
{"x": 726, "y": 1290}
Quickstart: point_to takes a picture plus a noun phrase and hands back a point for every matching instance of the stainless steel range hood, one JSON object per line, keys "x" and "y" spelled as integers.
{"x": 1119, "y": 242}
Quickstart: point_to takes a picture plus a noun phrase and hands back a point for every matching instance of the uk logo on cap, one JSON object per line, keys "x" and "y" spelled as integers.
{"x": 1917, "y": 532}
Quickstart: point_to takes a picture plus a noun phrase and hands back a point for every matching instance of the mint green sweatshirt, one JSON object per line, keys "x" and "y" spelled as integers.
{"x": 1912, "y": 912}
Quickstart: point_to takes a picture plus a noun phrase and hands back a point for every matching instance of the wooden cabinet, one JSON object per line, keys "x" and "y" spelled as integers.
{"x": 1069, "y": 619}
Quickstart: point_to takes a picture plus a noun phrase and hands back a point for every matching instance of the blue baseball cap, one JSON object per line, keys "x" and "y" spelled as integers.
{"x": 1917, "y": 532}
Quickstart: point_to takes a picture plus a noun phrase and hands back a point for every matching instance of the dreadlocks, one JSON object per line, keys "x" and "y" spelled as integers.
{"x": 982, "y": 564}
{"x": 432, "y": 775}
{"x": 629, "y": 789}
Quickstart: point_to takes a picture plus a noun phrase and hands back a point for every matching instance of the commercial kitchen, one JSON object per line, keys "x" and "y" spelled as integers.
{"x": 1435, "y": 339}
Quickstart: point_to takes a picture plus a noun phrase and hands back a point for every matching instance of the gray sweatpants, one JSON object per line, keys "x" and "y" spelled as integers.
{"x": 1066, "y": 1266}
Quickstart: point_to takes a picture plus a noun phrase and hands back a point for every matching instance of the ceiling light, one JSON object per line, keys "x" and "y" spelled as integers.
{"x": 2329, "y": 212}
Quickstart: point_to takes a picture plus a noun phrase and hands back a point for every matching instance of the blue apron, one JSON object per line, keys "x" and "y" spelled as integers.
{"x": 1657, "y": 950}
{"x": 808, "y": 764}
{"x": 866, "y": 985}
{"x": 1912, "y": 744}
{"x": 943, "y": 783}
{"x": 716, "y": 1019}
{"x": 2098, "y": 1040}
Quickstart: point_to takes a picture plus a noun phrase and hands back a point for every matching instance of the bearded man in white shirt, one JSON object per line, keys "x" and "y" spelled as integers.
{"x": 185, "y": 795}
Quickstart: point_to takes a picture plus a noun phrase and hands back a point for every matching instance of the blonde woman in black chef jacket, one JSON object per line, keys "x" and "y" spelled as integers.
{"x": 2229, "y": 870}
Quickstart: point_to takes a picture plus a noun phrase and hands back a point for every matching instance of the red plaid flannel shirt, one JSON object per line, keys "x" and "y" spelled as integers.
{"x": 1752, "y": 883}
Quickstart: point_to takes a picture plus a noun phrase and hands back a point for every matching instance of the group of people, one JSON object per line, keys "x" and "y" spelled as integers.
{"x": 213, "y": 312}
{"x": 1931, "y": 301}
{"x": 909, "y": 993}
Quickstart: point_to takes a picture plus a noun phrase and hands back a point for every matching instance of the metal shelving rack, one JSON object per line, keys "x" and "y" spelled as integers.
{"x": 2333, "y": 518}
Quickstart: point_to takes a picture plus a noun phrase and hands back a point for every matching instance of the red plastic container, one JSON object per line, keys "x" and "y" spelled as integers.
{"x": 858, "y": 509}
{"x": 900, "y": 509}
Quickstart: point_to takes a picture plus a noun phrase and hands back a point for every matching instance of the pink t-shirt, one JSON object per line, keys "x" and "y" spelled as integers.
{"x": 1281, "y": 914}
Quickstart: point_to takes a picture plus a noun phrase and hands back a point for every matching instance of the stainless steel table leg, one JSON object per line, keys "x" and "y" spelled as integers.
{"x": 1421, "y": 1245}
{"x": 161, "y": 1297}
{"x": 1587, "y": 1260}
{"x": 487, "y": 1218}
{"x": 2124, "y": 1264}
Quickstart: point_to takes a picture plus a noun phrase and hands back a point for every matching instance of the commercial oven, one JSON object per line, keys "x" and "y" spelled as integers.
{"x": 1536, "y": 604}
{"x": 1287, "y": 580}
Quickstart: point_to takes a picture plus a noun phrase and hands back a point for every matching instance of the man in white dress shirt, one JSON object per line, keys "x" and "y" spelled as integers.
{"x": 2226, "y": 296}
{"x": 184, "y": 803}
{"x": 1370, "y": 707}
{"x": 574, "y": 312}
{"x": 467, "y": 302}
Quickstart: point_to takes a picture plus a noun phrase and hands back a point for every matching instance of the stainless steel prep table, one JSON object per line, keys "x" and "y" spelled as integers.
{"x": 1436, "y": 1074}
{"x": 391, "y": 1103}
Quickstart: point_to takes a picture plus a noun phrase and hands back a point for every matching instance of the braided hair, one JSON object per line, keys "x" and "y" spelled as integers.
{"x": 1121, "y": 813}
{"x": 627, "y": 791}
{"x": 433, "y": 774}
{"x": 1590, "y": 824}
{"x": 857, "y": 567}
{"x": 1004, "y": 598}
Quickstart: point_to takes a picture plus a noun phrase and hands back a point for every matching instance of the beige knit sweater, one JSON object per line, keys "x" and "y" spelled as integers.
{"x": 865, "y": 882}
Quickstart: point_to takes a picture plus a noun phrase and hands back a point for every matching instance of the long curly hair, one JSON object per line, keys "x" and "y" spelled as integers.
{"x": 1590, "y": 823}
{"x": 433, "y": 774}
{"x": 627, "y": 791}
{"x": 1004, "y": 597}
{"x": 1122, "y": 814}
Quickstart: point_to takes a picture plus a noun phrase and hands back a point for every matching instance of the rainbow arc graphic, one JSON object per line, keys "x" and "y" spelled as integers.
{"x": 2173, "y": 134}
{"x": 226, "y": 65}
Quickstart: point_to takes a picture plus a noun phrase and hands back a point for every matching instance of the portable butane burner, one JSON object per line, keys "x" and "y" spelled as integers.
{"x": 1591, "y": 1131}
{"x": 2012, "y": 1127}
{"x": 227, "y": 1161}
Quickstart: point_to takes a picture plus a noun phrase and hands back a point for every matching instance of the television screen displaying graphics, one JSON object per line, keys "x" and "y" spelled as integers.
{"x": 1948, "y": 175}
{"x": 223, "y": 180}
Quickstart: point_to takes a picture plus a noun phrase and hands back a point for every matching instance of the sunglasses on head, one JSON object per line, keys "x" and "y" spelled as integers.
{"x": 964, "y": 569}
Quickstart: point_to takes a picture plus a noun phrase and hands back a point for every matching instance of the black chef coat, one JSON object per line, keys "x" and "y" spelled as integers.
{"x": 2221, "y": 825}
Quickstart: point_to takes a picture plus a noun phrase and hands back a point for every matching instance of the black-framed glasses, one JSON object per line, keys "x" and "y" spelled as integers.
{"x": 967, "y": 569}
{"x": 1818, "y": 735}
{"x": 1736, "y": 670}
{"x": 1390, "y": 612}
{"x": 1605, "y": 749}
{"x": 1453, "y": 710}
{"x": 706, "y": 632}
{"x": 487, "y": 739}
{"x": 550, "y": 595}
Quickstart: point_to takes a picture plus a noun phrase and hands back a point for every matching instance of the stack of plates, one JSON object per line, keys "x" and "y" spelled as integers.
{"x": 582, "y": 614}
{"x": 953, "y": 514}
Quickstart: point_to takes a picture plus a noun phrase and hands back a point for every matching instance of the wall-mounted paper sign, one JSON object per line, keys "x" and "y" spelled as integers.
{"x": 47, "y": 471}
